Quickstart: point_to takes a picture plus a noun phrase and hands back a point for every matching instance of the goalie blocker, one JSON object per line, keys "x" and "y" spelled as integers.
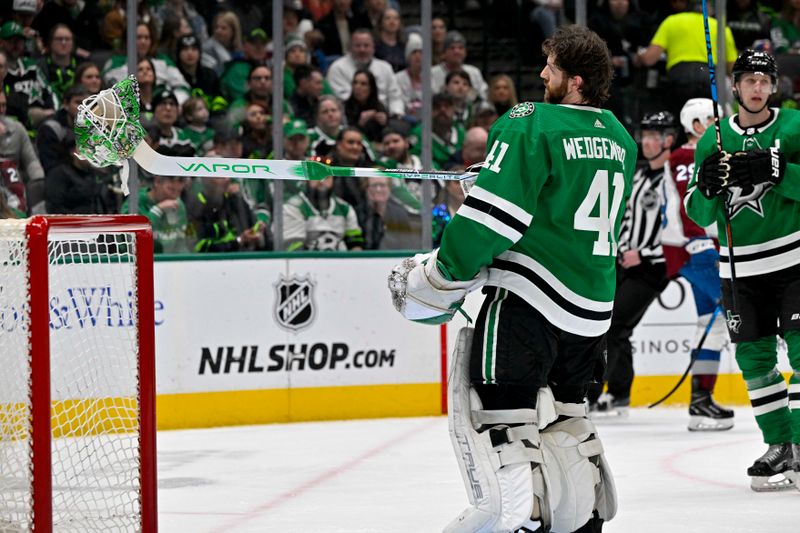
{"x": 525, "y": 468}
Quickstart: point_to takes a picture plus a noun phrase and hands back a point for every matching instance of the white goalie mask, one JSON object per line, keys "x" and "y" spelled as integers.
{"x": 697, "y": 109}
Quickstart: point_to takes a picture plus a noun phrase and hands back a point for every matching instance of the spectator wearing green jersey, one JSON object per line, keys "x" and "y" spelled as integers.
{"x": 396, "y": 150}
{"x": 165, "y": 115}
{"x": 16, "y": 103}
{"x": 237, "y": 72}
{"x": 259, "y": 194}
{"x": 195, "y": 113}
{"x": 297, "y": 56}
{"x": 60, "y": 61}
{"x": 396, "y": 154}
{"x": 459, "y": 87}
{"x": 162, "y": 205}
{"x": 448, "y": 137}
{"x": 23, "y": 77}
{"x": 259, "y": 91}
{"x": 785, "y": 28}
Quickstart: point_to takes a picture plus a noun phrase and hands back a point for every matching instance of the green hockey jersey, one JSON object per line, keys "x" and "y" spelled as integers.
{"x": 545, "y": 212}
{"x": 765, "y": 220}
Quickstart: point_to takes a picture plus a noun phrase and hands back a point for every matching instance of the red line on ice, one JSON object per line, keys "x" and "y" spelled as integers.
{"x": 313, "y": 483}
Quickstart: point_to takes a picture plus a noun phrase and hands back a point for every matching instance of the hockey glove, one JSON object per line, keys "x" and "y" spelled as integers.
{"x": 422, "y": 290}
{"x": 755, "y": 167}
{"x": 702, "y": 269}
{"x": 713, "y": 174}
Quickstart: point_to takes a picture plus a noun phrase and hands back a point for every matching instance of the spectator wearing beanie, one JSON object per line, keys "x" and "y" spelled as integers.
{"x": 203, "y": 80}
{"x": 455, "y": 52}
{"x": 297, "y": 55}
{"x": 410, "y": 79}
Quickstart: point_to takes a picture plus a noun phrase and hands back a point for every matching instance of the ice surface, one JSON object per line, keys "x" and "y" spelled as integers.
{"x": 400, "y": 476}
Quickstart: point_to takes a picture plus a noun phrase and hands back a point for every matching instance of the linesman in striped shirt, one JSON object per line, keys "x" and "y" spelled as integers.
{"x": 641, "y": 268}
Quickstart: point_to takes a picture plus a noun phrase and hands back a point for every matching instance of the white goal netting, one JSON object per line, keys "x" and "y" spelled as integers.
{"x": 95, "y": 459}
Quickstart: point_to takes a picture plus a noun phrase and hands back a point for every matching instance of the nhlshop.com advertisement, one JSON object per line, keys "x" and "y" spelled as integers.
{"x": 305, "y": 332}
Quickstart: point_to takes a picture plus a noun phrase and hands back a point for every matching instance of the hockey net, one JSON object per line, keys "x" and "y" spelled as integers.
{"x": 77, "y": 421}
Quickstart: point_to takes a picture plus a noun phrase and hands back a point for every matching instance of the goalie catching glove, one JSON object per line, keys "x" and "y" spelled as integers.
{"x": 755, "y": 167}
{"x": 423, "y": 291}
{"x": 714, "y": 174}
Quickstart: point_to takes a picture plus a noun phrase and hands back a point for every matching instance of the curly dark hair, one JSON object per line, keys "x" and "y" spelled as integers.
{"x": 581, "y": 52}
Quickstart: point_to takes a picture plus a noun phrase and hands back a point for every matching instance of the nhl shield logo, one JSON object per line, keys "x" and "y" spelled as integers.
{"x": 294, "y": 306}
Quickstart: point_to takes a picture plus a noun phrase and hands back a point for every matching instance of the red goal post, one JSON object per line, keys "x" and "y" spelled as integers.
{"x": 77, "y": 374}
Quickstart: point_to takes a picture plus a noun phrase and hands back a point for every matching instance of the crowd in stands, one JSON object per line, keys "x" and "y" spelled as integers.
{"x": 351, "y": 96}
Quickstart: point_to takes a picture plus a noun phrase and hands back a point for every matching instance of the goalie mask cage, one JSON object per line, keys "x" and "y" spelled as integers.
{"x": 77, "y": 378}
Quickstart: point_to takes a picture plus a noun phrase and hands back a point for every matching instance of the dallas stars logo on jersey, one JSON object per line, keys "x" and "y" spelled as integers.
{"x": 749, "y": 198}
{"x": 521, "y": 110}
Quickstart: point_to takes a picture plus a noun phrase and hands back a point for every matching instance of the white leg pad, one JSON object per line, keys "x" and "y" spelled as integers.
{"x": 503, "y": 480}
{"x": 580, "y": 480}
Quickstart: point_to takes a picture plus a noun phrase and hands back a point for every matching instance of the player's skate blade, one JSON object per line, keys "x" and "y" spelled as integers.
{"x": 614, "y": 413}
{"x": 778, "y": 483}
{"x": 772, "y": 471}
{"x": 706, "y": 415}
{"x": 609, "y": 407}
{"x": 705, "y": 423}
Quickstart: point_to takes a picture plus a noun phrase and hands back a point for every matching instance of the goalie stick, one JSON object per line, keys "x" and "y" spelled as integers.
{"x": 220, "y": 167}
{"x": 733, "y": 319}
{"x": 108, "y": 132}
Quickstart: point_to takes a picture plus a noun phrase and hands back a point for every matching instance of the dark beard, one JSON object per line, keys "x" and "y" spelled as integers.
{"x": 557, "y": 95}
{"x": 320, "y": 198}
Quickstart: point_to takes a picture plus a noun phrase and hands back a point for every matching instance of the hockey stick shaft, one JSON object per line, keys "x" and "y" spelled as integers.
{"x": 692, "y": 359}
{"x": 219, "y": 167}
{"x": 718, "y": 132}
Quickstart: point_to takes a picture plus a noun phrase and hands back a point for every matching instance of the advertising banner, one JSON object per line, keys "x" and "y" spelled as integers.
{"x": 270, "y": 324}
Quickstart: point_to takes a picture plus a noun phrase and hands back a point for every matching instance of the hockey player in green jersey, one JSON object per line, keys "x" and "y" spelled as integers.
{"x": 539, "y": 230}
{"x": 756, "y": 177}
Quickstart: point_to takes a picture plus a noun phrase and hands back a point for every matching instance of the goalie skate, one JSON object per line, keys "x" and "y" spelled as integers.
{"x": 609, "y": 407}
{"x": 772, "y": 471}
{"x": 706, "y": 415}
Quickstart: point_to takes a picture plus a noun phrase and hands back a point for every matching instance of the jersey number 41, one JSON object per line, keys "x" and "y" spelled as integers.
{"x": 605, "y": 215}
